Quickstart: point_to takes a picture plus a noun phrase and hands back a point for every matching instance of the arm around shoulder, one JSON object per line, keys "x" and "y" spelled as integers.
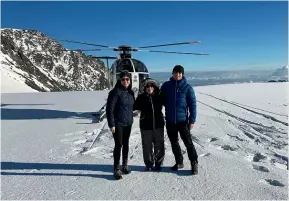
{"x": 137, "y": 104}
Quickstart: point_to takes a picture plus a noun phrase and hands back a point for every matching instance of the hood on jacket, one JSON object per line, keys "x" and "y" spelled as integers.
{"x": 150, "y": 81}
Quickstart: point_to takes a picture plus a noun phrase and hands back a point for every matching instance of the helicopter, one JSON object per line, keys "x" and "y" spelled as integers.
{"x": 137, "y": 69}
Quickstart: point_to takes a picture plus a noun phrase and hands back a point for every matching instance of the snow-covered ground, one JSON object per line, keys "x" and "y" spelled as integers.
{"x": 241, "y": 134}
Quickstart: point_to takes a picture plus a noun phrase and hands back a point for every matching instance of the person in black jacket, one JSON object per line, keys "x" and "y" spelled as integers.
{"x": 119, "y": 112}
{"x": 151, "y": 125}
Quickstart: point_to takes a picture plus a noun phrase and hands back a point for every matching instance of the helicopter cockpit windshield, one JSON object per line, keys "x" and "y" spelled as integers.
{"x": 124, "y": 64}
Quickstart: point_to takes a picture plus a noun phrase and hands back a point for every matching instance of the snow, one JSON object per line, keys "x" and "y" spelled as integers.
{"x": 12, "y": 85}
{"x": 243, "y": 150}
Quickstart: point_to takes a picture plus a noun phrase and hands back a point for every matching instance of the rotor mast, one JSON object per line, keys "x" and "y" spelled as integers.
{"x": 125, "y": 51}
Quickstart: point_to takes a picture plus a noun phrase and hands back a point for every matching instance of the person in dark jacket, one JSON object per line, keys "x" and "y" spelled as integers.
{"x": 181, "y": 110}
{"x": 151, "y": 125}
{"x": 119, "y": 112}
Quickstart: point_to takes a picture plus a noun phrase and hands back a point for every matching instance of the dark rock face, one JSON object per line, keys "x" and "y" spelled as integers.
{"x": 47, "y": 66}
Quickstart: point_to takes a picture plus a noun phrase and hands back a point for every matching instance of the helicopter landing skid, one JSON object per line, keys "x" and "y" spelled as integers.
{"x": 99, "y": 116}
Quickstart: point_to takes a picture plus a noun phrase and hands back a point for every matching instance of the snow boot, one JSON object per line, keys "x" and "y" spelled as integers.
{"x": 148, "y": 169}
{"x": 194, "y": 165}
{"x": 177, "y": 167}
{"x": 125, "y": 168}
{"x": 158, "y": 166}
{"x": 117, "y": 173}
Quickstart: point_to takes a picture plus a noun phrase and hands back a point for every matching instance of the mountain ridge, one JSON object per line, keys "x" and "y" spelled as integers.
{"x": 45, "y": 65}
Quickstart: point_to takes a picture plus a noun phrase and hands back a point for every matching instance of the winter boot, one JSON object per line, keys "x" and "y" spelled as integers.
{"x": 148, "y": 169}
{"x": 194, "y": 167}
{"x": 125, "y": 168}
{"x": 117, "y": 172}
{"x": 177, "y": 167}
{"x": 158, "y": 167}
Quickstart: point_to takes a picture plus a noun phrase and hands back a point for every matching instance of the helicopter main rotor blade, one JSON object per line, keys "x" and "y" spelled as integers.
{"x": 182, "y": 43}
{"x": 81, "y": 50}
{"x": 104, "y": 57}
{"x": 173, "y": 52}
{"x": 71, "y": 41}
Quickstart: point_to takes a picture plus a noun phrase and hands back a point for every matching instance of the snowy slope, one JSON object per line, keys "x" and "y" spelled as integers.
{"x": 12, "y": 83}
{"x": 241, "y": 136}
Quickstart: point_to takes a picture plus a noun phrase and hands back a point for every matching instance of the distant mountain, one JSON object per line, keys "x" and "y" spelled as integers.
{"x": 43, "y": 64}
{"x": 281, "y": 72}
{"x": 200, "y": 78}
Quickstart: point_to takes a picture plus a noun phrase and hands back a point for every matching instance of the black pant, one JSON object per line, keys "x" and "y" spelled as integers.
{"x": 121, "y": 140}
{"x": 183, "y": 128}
{"x": 153, "y": 146}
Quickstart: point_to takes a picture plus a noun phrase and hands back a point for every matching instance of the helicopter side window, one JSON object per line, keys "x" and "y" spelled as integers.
{"x": 139, "y": 66}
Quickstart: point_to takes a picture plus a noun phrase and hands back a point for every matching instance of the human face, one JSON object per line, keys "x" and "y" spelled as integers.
{"x": 125, "y": 81}
{"x": 150, "y": 89}
{"x": 177, "y": 75}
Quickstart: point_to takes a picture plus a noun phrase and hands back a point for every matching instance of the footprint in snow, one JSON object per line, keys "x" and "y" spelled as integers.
{"x": 228, "y": 148}
{"x": 79, "y": 142}
{"x": 76, "y": 133}
{"x": 259, "y": 157}
{"x": 212, "y": 139}
{"x": 273, "y": 182}
{"x": 260, "y": 168}
{"x": 205, "y": 154}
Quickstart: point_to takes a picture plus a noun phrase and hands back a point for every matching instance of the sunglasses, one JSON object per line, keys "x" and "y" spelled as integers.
{"x": 148, "y": 86}
{"x": 125, "y": 79}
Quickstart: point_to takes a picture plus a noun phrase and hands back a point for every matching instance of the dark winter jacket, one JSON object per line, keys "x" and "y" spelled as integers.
{"x": 179, "y": 101}
{"x": 151, "y": 117}
{"x": 119, "y": 107}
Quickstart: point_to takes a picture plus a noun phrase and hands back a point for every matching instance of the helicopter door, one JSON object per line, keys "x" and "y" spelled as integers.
{"x": 135, "y": 83}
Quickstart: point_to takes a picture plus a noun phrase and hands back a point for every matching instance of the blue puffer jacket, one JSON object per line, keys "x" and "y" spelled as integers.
{"x": 179, "y": 100}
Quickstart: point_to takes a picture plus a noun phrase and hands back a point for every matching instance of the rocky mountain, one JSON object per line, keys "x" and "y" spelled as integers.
{"x": 43, "y": 64}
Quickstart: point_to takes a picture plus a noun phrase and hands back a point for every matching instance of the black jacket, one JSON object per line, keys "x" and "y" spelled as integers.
{"x": 151, "y": 111}
{"x": 119, "y": 107}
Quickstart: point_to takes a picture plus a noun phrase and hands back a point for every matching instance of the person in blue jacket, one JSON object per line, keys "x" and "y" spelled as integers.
{"x": 119, "y": 113}
{"x": 180, "y": 112}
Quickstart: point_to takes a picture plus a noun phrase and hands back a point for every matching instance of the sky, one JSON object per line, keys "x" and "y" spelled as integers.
{"x": 237, "y": 35}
